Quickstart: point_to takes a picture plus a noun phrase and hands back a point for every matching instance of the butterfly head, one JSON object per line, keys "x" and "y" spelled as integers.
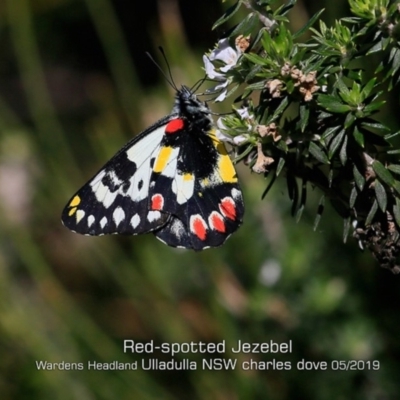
{"x": 195, "y": 111}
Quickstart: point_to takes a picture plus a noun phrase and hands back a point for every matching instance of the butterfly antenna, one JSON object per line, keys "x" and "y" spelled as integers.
{"x": 168, "y": 67}
{"x": 197, "y": 85}
{"x": 168, "y": 77}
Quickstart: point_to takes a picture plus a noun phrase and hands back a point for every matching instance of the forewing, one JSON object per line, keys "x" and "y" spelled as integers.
{"x": 116, "y": 199}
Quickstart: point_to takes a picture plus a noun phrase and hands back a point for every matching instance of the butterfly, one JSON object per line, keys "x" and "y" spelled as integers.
{"x": 175, "y": 179}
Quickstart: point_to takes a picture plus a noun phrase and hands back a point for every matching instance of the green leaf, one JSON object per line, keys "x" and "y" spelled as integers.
{"x": 350, "y": 118}
{"x": 320, "y": 210}
{"x": 381, "y": 195}
{"x": 227, "y": 15}
{"x": 344, "y": 90}
{"x": 358, "y": 136}
{"x": 383, "y": 173}
{"x": 377, "y": 105}
{"x": 285, "y": 8}
{"x": 358, "y": 178}
{"x": 353, "y": 197}
{"x": 394, "y": 168}
{"x": 281, "y": 163}
{"x": 318, "y": 153}
{"x": 377, "y": 47}
{"x": 332, "y": 104}
{"x": 259, "y": 36}
{"x": 304, "y": 114}
{"x": 368, "y": 88}
{"x": 395, "y": 56}
{"x": 329, "y": 131}
{"x": 254, "y": 86}
{"x": 377, "y": 126}
{"x": 303, "y": 201}
{"x": 392, "y": 135}
{"x": 255, "y": 59}
{"x": 396, "y": 186}
{"x": 343, "y": 152}
{"x": 346, "y": 228}
{"x": 282, "y": 145}
{"x": 246, "y": 26}
{"x": 335, "y": 143}
{"x": 242, "y": 155}
{"x": 372, "y": 213}
{"x": 380, "y": 68}
{"x": 330, "y": 177}
{"x": 308, "y": 24}
{"x": 232, "y": 90}
{"x": 299, "y": 213}
{"x": 279, "y": 110}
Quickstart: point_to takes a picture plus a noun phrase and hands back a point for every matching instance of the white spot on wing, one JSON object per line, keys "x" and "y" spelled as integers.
{"x": 118, "y": 215}
{"x": 90, "y": 220}
{"x": 153, "y": 215}
{"x": 79, "y": 215}
{"x": 103, "y": 222}
{"x": 236, "y": 193}
{"x": 183, "y": 188}
{"x": 135, "y": 221}
{"x": 177, "y": 228}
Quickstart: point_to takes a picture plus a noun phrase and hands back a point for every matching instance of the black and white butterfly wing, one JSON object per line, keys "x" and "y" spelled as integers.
{"x": 194, "y": 181}
{"x": 116, "y": 199}
{"x": 175, "y": 180}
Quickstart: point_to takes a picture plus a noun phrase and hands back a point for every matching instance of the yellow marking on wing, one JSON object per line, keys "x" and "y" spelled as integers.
{"x": 212, "y": 135}
{"x": 75, "y": 201}
{"x": 226, "y": 169}
{"x": 162, "y": 159}
{"x": 187, "y": 177}
{"x": 225, "y": 166}
{"x": 72, "y": 211}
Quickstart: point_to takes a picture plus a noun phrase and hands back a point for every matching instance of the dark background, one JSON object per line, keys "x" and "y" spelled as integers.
{"x": 75, "y": 85}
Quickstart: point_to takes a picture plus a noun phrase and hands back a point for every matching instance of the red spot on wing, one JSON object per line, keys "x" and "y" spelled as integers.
{"x": 228, "y": 208}
{"x": 198, "y": 226}
{"x": 157, "y": 202}
{"x": 174, "y": 126}
{"x": 217, "y": 222}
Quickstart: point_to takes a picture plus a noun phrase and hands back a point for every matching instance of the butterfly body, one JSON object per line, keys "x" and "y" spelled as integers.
{"x": 175, "y": 179}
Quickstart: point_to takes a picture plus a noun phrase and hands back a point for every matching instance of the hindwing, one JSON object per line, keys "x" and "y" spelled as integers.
{"x": 194, "y": 180}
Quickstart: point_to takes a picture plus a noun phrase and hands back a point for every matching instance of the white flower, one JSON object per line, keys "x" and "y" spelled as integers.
{"x": 225, "y": 53}
{"x": 228, "y": 56}
{"x": 244, "y": 113}
{"x": 224, "y": 137}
